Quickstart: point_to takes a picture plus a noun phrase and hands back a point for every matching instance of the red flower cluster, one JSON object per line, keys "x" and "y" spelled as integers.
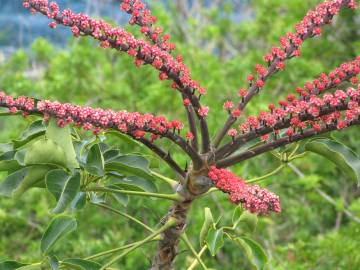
{"x": 252, "y": 197}
{"x": 340, "y": 108}
{"x": 309, "y": 103}
{"x": 290, "y": 45}
{"x": 131, "y": 123}
{"x": 118, "y": 38}
{"x": 141, "y": 16}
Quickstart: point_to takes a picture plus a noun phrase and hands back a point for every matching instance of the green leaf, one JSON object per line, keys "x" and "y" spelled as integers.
{"x": 94, "y": 198}
{"x": 44, "y": 151}
{"x": 62, "y": 136}
{"x": 254, "y": 252}
{"x": 59, "y": 227}
{"x": 80, "y": 146}
{"x": 207, "y": 225}
{"x": 9, "y": 155}
{"x": 9, "y": 166}
{"x": 215, "y": 240}
{"x": 95, "y": 161}
{"x": 20, "y": 156}
{"x": 134, "y": 183}
{"x": 237, "y": 214}
{"x": 6, "y": 147}
{"x": 12, "y": 181}
{"x": 249, "y": 220}
{"x": 122, "y": 199}
{"x": 35, "y": 130}
{"x": 30, "y": 267}
{"x": 35, "y": 177}
{"x": 64, "y": 187}
{"x": 11, "y": 265}
{"x": 54, "y": 262}
{"x": 82, "y": 264}
{"x": 79, "y": 201}
{"x": 111, "y": 154}
{"x": 339, "y": 154}
{"x": 128, "y": 140}
{"x": 131, "y": 165}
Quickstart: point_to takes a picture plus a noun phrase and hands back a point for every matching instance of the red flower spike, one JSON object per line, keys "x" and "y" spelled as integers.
{"x": 252, "y": 197}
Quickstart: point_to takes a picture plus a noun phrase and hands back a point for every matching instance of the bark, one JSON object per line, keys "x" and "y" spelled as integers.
{"x": 196, "y": 184}
{"x": 168, "y": 245}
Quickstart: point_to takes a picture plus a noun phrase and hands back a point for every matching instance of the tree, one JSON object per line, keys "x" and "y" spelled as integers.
{"x": 52, "y": 161}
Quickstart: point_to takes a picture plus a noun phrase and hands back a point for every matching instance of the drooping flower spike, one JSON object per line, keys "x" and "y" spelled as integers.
{"x": 142, "y": 16}
{"x": 252, "y": 197}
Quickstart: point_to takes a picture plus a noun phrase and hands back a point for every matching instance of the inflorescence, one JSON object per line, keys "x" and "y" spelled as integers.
{"x": 252, "y": 197}
{"x": 309, "y": 112}
{"x": 131, "y": 123}
{"x": 156, "y": 55}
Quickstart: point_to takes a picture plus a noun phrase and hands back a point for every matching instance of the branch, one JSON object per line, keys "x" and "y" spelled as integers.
{"x": 192, "y": 124}
{"x": 134, "y": 124}
{"x": 232, "y": 160}
{"x": 170, "y": 223}
{"x": 172, "y": 197}
{"x": 292, "y": 45}
{"x": 164, "y": 156}
{"x": 144, "y": 53}
{"x": 240, "y": 140}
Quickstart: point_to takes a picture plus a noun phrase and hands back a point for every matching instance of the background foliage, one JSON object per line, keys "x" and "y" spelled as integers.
{"x": 310, "y": 233}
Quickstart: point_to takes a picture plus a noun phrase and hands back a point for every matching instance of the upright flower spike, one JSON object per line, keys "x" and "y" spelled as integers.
{"x": 142, "y": 16}
{"x": 252, "y": 197}
{"x": 120, "y": 39}
{"x": 314, "y": 113}
{"x": 143, "y": 52}
{"x": 290, "y": 47}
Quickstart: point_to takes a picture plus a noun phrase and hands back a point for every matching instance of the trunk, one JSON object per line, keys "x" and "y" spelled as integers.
{"x": 168, "y": 245}
{"x": 197, "y": 183}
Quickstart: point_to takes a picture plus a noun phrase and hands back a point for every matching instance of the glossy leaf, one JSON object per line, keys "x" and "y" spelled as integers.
{"x": 131, "y": 165}
{"x": 111, "y": 155}
{"x": 81, "y": 264}
{"x": 64, "y": 187}
{"x": 79, "y": 201}
{"x": 45, "y": 151}
{"x": 36, "y": 129}
{"x": 128, "y": 140}
{"x": 12, "y": 181}
{"x": 35, "y": 177}
{"x": 207, "y": 225}
{"x": 59, "y": 227}
{"x": 62, "y": 136}
{"x": 11, "y": 265}
{"x": 254, "y": 252}
{"x": 249, "y": 220}
{"x": 95, "y": 161}
{"x": 9, "y": 166}
{"x": 134, "y": 183}
{"x": 339, "y": 154}
{"x": 122, "y": 199}
{"x": 215, "y": 240}
{"x": 20, "y": 156}
{"x": 237, "y": 214}
{"x": 6, "y": 147}
{"x": 54, "y": 262}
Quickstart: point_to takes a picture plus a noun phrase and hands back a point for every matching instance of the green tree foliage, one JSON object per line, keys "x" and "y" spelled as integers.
{"x": 313, "y": 231}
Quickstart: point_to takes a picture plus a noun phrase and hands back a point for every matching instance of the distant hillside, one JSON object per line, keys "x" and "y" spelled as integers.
{"x": 18, "y": 28}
